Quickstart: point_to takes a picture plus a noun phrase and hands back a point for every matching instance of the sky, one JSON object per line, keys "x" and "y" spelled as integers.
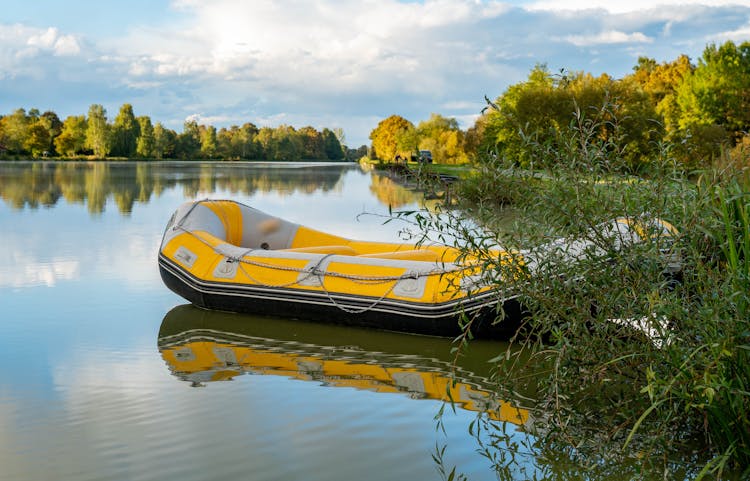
{"x": 328, "y": 63}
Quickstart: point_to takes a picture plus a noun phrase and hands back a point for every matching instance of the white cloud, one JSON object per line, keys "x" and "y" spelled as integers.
{"x": 344, "y": 62}
{"x": 609, "y": 37}
{"x": 311, "y": 60}
{"x": 626, "y": 7}
{"x": 67, "y": 45}
{"x": 461, "y": 105}
{"x": 212, "y": 119}
{"x": 45, "y": 39}
{"x": 23, "y": 50}
{"x": 739, "y": 35}
{"x": 466, "y": 121}
{"x": 51, "y": 40}
{"x": 347, "y": 45}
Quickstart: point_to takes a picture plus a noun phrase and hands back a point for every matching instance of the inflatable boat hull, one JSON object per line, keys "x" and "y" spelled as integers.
{"x": 387, "y": 286}
{"x": 227, "y": 256}
{"x": 435, "y": 320}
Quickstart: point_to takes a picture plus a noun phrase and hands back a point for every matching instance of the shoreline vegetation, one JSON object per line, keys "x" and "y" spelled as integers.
{"x": 567, "y": 152}
{"x": 570, "y": 152}
{"x": 620, "y": 404}
{"x": 38, "y": 135}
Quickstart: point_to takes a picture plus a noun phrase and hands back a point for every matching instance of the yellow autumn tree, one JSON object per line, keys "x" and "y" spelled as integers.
{"x": 387, "y": 137}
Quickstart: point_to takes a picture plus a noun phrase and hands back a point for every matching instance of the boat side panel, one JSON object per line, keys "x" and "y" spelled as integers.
{"x": 442, "y": 323}
{"x": 338, "y": 273}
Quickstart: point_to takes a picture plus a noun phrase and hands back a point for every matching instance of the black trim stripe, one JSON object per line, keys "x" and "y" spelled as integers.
{"x": 390, "y": 314}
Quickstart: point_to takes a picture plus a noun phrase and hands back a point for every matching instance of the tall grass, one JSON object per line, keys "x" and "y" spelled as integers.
{"x": 674, "y": 401}
{"x": 728, "y": 388}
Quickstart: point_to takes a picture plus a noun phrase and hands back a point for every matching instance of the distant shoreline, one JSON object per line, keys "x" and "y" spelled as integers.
{"x": 85, "y": 158}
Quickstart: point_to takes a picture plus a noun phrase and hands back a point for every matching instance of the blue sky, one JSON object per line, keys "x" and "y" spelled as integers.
{"x": 328, "y": 63}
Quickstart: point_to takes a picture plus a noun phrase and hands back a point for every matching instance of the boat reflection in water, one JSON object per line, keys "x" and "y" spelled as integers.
{"x": 202, "y": 346}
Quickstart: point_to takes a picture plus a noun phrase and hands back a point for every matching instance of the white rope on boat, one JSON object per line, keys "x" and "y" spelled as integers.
{"x": 316, "y": 271}
{"x": 321, "y": 275}
{"x": 350, "y": 310}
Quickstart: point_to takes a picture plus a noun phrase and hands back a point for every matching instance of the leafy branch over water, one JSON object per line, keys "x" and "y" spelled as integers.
{"x": 608, "y": 395}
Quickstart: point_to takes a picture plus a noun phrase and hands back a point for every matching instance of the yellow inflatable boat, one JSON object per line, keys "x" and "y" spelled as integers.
{"x": 223, "y": 255}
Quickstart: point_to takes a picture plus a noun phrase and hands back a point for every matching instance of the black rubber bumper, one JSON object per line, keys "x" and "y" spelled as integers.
{"x": 437, "y": 320}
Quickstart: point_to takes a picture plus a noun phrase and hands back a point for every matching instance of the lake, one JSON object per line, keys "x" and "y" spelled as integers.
{"x": 106, "y": 374}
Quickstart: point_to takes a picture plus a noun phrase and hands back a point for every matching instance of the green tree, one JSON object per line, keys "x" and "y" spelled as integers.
{"x": 72, "y": 138}
{"x": 537, "y": 104}
{"x": 145, "y": 145}
{"x": 244, "y": 142}
{"x": 125, "y": 132}
{"x": 38, "y": 139}
{"x": 436, "y": 125}
{"x": 287, "y": 144}
{"x": 670, "y": 77}
{"x": 165, "y": 142}
{"x": 385, "y": 137}
{"x": 718, "y": 91}
{"x": 443, "y": 137}
{"x": 266, "y": 142}
{"x": 354, "y": 155}
{"x": 208, "y": 141}
{"x": 475, "y": 137}
{"x": 660, "y": 82}
{"x": 636, "y": 126}
{"x": 332, "y": 144}
{"x": 339, "y": 132}
{"x": 407, "y": 142}
{"x": 14, "y": 131}
{"x": 189, "y": 141}
{"x": 280, "y": 144}
{"x": 313, "y": 147}
{"x": 52, "y": 123}
{"x": 238, "y": 142}
{"x": 98, "y": 136}
{"x": 552, "y": 109}
{"x": 225, "y": 142}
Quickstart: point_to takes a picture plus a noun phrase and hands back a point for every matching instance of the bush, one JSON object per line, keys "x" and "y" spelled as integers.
{"x": 668, "y": 393}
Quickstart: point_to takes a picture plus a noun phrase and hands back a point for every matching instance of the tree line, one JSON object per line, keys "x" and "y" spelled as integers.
{"x": 38, "y": 134}
{"x": 700, "y": 109}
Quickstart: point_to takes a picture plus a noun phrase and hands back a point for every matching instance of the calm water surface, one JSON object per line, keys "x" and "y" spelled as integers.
{"x": 106, "y": 374}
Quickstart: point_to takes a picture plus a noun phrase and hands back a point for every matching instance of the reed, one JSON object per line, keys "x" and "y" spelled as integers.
{"x": 728, "y": 414}
{"x": 675, "y": 402}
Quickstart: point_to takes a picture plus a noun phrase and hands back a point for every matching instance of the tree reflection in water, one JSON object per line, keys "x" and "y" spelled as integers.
{"x": 37, "y": 184}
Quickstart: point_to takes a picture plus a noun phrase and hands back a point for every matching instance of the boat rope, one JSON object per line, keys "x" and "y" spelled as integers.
{"x": 315, "y": 270}
{"x": 351, "y": 310}
{"x": 321, "y": 275}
